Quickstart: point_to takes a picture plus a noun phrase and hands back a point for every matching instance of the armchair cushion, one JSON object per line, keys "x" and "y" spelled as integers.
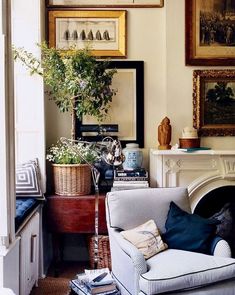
{"x": 171, "y": 270}
{"x": 146, "y": 238}
{"x": 186, "y": 231}
{"x": 181, "y": 270}
{"x": 129, "y": 208}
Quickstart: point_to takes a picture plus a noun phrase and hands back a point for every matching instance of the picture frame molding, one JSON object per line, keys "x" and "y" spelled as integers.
{"x": 199, "y": 78}
{"x": 117, "y": 5}
{"x": 139, "y": 84}
{"x": 121, "y": 15}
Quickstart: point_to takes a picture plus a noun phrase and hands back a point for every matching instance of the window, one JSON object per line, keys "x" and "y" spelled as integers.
{"x": 7, "y": 179}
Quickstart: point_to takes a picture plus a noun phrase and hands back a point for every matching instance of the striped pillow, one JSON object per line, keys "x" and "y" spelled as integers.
{"x": 28, "y": 180}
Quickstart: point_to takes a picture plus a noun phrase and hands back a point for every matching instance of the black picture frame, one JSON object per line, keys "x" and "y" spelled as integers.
{"x": 137, "y": 72}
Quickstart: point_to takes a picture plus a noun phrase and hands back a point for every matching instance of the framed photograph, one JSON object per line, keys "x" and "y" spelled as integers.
{"x": 214, "y": 102}
{"x": 126, "y": 115}
{"x": 104, "y": 31}
{"x": 210, "y": 32}
{"x": 105, "y": 3}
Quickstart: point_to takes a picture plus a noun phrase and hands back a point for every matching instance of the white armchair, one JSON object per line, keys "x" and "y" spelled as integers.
{"x": 172, "y": 270}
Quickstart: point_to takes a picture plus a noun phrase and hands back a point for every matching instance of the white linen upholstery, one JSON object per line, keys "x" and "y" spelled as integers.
{"x": 178, "y": 270}
{"x": 171, "y": 270}
{"x": 222, "y": 249}
{"x": 221, "y": 288}
{"x": 6, "y": 291}
{"x": 133, "y": 206}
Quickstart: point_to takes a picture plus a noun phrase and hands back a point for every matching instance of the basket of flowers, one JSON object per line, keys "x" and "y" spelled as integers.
{"x": 71, "y": 173}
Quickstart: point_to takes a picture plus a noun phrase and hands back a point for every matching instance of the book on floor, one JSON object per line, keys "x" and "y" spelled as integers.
{"x": 81, "y": 289}
{"x": 78, "y": 288}
{"x": 100, "y": 289}
{"x": 94, "y": 281}
{"x": 93, "y": 274}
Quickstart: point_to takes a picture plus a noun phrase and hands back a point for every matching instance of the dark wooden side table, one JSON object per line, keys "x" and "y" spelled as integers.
{"x": 72, "y": 214}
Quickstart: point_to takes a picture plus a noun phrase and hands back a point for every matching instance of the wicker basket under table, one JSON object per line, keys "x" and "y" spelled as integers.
{"x": 103, "y": 252}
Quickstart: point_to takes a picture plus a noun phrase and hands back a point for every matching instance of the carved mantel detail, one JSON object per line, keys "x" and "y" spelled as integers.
{"x": 173, "y": 165}
{"x": 213, "y": 163}
{"x": 201, "y": 171}
{"x": 229, "y": 167}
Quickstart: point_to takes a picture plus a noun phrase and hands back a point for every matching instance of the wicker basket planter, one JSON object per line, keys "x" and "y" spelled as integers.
{"x": 72, "y": 179}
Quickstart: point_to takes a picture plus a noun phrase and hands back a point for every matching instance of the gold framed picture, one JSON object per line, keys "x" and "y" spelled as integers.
{"x": 214, "y": 102}
{"x": 210, "y": 32}
{"x": 103, "y": 31}
{"x": 105, "y": 3}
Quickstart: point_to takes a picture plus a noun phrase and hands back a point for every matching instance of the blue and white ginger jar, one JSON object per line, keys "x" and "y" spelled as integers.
{"x": 133, "y": 157}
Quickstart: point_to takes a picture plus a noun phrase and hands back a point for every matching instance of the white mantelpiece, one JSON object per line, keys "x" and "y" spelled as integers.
{"x": 200, "y": 171}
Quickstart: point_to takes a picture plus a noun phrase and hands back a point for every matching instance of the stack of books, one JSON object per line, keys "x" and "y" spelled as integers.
{"x": 125, "y": 179}
{"x": 94, "y": 281}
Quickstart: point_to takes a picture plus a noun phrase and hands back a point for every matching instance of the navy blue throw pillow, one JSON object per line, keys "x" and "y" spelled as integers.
{"x": 187, "y": 231}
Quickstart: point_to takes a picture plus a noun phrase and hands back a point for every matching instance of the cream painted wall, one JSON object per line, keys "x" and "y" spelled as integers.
{"x": 156, "y": 36}
{"x": 179, "y": 78}
{"x": 146, "y": 41}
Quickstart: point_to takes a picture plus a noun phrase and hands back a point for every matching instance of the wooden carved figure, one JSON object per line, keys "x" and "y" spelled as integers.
{"x": 164, "y": 134}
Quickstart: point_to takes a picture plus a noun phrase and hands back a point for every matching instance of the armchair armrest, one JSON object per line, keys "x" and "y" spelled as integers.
{"x": 127, "y": 262}
{"x": 129, "y": 249}
{"x": 220, "y": 247}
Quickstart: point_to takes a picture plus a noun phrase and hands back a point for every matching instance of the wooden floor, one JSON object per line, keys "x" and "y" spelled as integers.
{"x": 59, "y": 285}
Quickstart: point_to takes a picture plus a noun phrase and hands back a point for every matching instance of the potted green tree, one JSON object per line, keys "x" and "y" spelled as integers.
{"x": 78, "y": 84}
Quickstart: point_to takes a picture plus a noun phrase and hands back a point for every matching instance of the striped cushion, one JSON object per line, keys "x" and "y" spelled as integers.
{"x": 27, "y": 180}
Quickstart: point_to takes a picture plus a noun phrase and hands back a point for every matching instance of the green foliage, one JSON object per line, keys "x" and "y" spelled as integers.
{"x": 61, "y": 153}
{"x": 77, "y": 82}
{"x": 221, "y": 93}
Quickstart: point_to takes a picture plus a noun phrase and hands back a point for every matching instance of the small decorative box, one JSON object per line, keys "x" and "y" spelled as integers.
{"x": 186, "y": 143}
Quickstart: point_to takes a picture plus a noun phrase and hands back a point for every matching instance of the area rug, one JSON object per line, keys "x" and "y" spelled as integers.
{"x": 52, "y": 286}
{"x": 59, "y": 285}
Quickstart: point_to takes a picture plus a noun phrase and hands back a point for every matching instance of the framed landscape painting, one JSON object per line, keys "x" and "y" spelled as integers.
{"x": 105, "y": 3}
{"x": 103, "y": 31}
{"x": 214, "y": 102}
{"x": 210, "y": 32}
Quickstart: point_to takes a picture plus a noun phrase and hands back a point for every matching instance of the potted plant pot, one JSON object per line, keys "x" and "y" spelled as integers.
{"x": 72, "y": 179}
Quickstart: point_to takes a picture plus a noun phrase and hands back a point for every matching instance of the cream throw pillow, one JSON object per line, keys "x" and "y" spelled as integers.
{"x": 146, "y": 238}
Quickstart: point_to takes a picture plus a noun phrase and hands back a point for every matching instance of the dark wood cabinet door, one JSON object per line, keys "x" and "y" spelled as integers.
{"x": 75, "y": 214}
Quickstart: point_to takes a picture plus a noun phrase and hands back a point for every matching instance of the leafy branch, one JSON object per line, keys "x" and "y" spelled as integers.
{"x": 77, "y": 82}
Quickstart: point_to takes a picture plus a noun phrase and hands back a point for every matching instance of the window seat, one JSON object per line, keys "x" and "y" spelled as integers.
{"x": 24, "y": 208}
{"x": 28, "y": 227}
{"x": 28, "y": 224}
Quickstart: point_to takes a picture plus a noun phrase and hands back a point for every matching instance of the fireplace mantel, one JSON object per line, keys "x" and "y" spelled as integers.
{"x": 199, "y": 171}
